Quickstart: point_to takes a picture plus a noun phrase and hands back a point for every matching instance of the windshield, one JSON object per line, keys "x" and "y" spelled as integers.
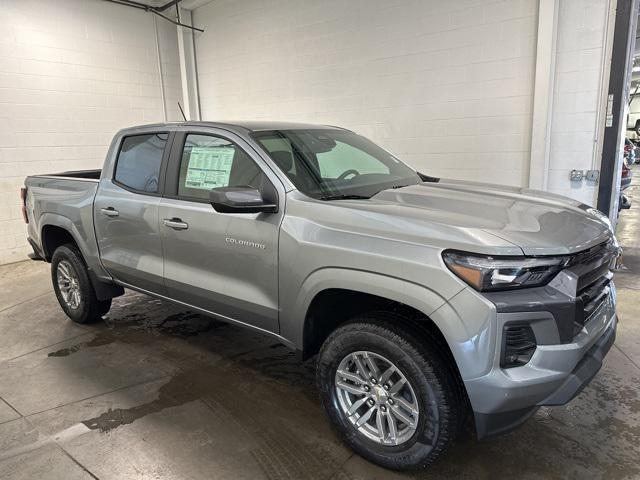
{"x": 334, "y": 164}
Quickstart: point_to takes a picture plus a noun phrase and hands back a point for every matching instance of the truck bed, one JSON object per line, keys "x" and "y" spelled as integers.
{"x": 64, "y": 200}
{"x": 79, "y": 174}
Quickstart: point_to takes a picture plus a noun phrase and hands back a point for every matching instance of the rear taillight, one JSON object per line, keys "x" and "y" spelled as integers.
{"x": 23, "y": 204}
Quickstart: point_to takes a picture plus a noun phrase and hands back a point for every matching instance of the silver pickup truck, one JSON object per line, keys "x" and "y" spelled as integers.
{"x": 427, "y": 302}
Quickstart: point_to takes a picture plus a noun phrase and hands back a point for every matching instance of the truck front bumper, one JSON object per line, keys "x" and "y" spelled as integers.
{"x": 505, "y": 398}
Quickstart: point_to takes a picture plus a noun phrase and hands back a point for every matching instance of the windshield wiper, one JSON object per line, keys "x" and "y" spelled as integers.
{"x": 393, "y": 187}
{"x": 345, "y": 197}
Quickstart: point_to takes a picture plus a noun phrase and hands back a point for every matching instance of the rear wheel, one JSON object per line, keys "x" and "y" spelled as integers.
{"x": 73, "y": 287}
{"x": 393, "y": 399}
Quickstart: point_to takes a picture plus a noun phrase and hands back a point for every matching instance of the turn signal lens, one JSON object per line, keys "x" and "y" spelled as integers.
{"x": 469, "y": 275}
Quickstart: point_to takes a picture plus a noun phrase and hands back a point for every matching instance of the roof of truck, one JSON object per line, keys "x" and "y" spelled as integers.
{"x": 244, "y": 126}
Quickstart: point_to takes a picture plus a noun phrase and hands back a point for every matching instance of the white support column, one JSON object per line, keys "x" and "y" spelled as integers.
{"x": 188, "y": 73}
{"x": 543, "y": 94}
{"x": 160, "y": 72}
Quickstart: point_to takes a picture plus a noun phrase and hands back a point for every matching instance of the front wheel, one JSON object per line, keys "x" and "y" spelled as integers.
{"x": 73, "y": 287}
{"x": 393, "y": 399}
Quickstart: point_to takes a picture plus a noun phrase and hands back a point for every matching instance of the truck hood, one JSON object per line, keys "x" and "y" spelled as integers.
{"x": 539, "y": 223}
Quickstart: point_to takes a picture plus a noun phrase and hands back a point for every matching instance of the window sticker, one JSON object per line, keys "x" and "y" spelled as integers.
{"x": 209, "y": 167}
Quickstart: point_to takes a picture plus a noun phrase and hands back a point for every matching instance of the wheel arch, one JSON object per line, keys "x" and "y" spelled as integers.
{"x": 52, "y": 237}
{"x": 57, "y": 230}
{"x": 331, "y": 296}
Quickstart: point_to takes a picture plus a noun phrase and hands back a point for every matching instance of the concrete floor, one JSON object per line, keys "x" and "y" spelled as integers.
{"x": 158, "y": 392}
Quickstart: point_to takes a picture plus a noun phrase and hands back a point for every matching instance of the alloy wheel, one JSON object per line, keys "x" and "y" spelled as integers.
{"x": 68, "y": 284}
{"x": 377, "y": 398}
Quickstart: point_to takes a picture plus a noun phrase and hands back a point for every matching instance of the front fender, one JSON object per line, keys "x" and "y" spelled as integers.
{"x": 396, "y": 289}
{"x": 465, "y": 320}
{"x": 416, "y": 296}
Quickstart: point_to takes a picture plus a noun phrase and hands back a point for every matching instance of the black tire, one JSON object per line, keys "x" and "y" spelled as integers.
{"x": 90, "y": 309}
{"x": 637, "y": 127}
{"x": 426, "y": 369}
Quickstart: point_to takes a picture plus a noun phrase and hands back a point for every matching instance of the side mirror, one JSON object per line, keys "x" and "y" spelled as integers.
{"x": 240, "y": 200}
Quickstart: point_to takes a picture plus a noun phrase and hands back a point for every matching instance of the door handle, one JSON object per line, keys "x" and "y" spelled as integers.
{"x": 175, "y": 223}
{"x": 110, "y": 212}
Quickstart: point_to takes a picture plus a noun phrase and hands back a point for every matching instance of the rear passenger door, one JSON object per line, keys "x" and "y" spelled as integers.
{"x": 126, "y": 211}
{"x": 221, "y": 262}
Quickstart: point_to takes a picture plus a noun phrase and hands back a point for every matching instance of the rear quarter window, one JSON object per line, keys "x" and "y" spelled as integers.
{"x": 139, "y": 161}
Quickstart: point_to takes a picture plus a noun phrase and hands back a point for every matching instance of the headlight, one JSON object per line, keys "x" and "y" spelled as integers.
{"x": 501, "y": 273}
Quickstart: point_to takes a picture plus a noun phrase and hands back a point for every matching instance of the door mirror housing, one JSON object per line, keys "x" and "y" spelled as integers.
{"x": 240, "y": 200}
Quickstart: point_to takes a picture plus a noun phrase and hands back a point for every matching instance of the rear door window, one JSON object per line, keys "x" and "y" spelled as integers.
{"x": 139, "y": 162}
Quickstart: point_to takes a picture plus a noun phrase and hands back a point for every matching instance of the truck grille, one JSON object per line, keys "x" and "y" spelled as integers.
{"x": 576, "y": 295}
{"x": 593, "y": 269}
{"x": 594, "y": 296}
{"x": 594, "y": 253}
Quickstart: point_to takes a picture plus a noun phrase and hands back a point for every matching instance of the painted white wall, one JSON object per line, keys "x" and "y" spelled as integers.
{"x": 445, "y": 85}
{"x": 73, "y": 72}
{"x": 448, "y": 86}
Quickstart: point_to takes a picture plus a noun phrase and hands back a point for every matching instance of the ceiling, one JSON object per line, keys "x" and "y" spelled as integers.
{"x": 188, "y": 4}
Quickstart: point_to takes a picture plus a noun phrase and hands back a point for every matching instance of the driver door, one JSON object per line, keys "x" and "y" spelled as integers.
{"x": 223, "y": 263}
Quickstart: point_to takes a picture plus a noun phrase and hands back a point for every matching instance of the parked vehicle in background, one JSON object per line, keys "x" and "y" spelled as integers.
{"x": 424, "y": 300}
{"x": 625, "y": 177}
{"x": 636, "y": 150}
{"x": 633, "y": 118}
{"x": 629, "y": 151}
{"x": 625, "y": 181}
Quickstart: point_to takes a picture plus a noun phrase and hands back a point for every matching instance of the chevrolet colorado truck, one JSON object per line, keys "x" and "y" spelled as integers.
{"x": 431, "y": 304}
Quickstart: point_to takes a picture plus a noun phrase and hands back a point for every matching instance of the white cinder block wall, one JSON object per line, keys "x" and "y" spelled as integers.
{"x": 446, "y": 85}
{"x": 73, "y": 72}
